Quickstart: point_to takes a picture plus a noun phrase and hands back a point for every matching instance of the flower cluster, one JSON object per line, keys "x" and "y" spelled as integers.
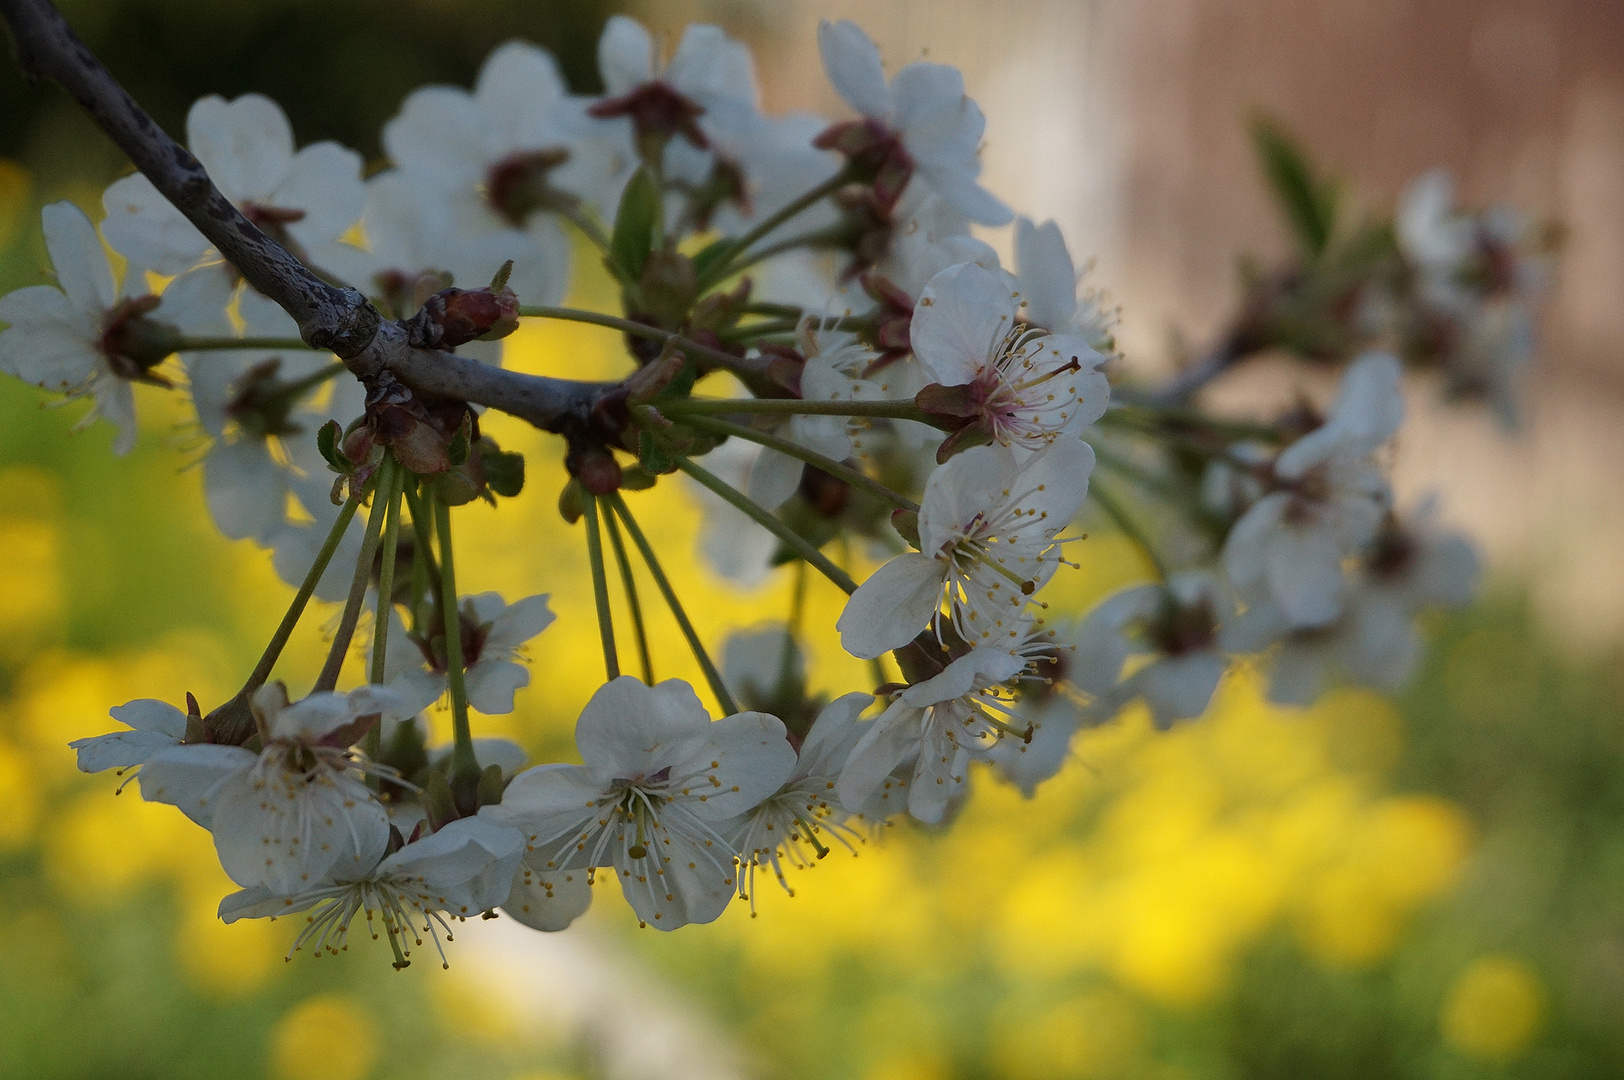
{"x": 908, "y": 399}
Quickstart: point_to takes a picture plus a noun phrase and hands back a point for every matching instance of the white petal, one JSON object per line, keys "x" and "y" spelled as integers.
{"x": 548, "y": 900}
{"x": 1304, "y": 571}
{"x": 287, "y": 833}
{"x": 625, "y": 55}
{"x": 962, "y": 315}
{"x": 145, "y": 227}
{"x": 1048, "y": 277}
{"x": 1245, "y": 546}
{"x": 492, "y": 683}
{"x": 628, "y": 728}
{"x": 887, "y": 742}
{"x": 466, "y": 867}
{"x": 971, "y": 483}
{"x": 938, "y": 779}
{"x": 852, "y": 63}
{"x": 149, "y": 714}
{"x": 324, "y": 181}
{"x": 519, "y": 622}
{"x": 1179, "y": 687}
{"x": 120, "y": 749}
{"x": 246, "y": 490}
{"x": 889, "y": 609}
{"x": 190, "y": 776}
{"x": 49, "y": 342}
{"x": 246, "y": 144}
{"x": 774, "y": 477}
{"x": 78, "y": 258}
{"x": 748, "y": 757}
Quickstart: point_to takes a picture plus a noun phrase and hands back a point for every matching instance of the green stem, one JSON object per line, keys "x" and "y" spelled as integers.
{"x": 767, "y": 224}
{"x": 589, "y": 228}
{"x": 643, "y": 330}
{"x": 386, "y": 593}
{"x": 423, "y": 529}
{"x": 893, "y": 410}
{"x": 307, "y": 588}
{"x": 794, "y": 540}
{"x": 600, "y": 586}
{"x": 1158, "y": 417}
{"x": 464, "y": 766}
{"x": 828, "y": 464}
{"x": 383, "y": 491}
{"x": 1128, "y": 527}
{"x": 777, "y": 311}
{"x": 629, "y": 583}
{"x": 712, "y": 676}
{"x": 213, "y": 344}
{"x": 765, "y": 327}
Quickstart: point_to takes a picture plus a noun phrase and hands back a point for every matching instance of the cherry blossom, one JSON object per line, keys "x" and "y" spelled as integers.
{"x": 659, "y": 782}
{"x": 988, "y": 537}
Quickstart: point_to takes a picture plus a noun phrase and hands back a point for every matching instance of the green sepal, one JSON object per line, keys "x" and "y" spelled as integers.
{"x": 456, "y": 450}
{"x": 712, "y": 257}
{"x": 637, "y": 478}
{"x": 571, "y": 502}
{"x": 489, "y": 792}
{"x": 329, "y": 440}
{"x": 652, "y": 455}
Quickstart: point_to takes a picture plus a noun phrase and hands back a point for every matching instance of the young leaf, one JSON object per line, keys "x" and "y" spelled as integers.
{"x": 504, "y": 472}
{"x": 1309, "y": 203}
{"x": 652, "y": 455}
{"x": 635, "y": 223}
{"x": 328, "y": 439}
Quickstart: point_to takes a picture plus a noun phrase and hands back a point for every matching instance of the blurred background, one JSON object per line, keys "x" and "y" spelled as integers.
{"x": 1426, "y": 887}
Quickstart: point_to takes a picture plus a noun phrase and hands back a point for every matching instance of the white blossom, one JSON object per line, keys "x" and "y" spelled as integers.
{"x": 495, "y": 164}
{"x": 659, "y": 781}
{"x": 935, "y": 726}
{"x": 1373, "y": 642}
{"x": 792, "y": 825}
{"x": 988, "y": 529}
{"x": 465, "y": 868}
{"x": 1049, "y": 284}
{"x": 70, "y": 338}
{"x": 1018, "y": 384}
{"x": 1175, "y": 627}
{"x": 925, "y": 107}
{"x": 306, "y": 199}
{"x": 1328, "y": 500}
{"x": 493, "y": 633}
{"x": 294, "y": 813}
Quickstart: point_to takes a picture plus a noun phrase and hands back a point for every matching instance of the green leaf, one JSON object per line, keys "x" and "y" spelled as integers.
{"x": 635, "y": 224}
{"x": 504, "y": 472}
{"x": 637, "y": 478}
{"x": 1309, "y": 204}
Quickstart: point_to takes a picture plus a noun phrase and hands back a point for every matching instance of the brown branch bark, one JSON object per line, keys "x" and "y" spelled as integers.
{"x": 329, "y": 317}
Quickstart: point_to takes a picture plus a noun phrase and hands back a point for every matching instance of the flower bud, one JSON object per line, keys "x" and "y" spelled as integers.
{"x": 667, "y": 287}
{"x": 453, "y": 317}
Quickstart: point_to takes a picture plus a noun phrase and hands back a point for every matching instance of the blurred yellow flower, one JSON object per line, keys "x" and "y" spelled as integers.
{"x": 1494, "y": 1009}
{"x": 22, "y": 796}
{"x": 221, "y": 959}
{"x": 327, "y": 1037}
{"x": 1094, "y": 1034}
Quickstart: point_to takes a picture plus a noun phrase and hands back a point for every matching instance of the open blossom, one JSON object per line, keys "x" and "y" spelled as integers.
{"x": 658, "y": 783}
{"x": 293, "y": 813}
{"x": 1176, "y": 626}
{"x": 1405, "y": 570}
{"x": 493, "y": 633}
{"x": 934, "y": 726}
{"x": 1327, "y": 501}
{"x": 465, "y": 868}
{"x": 786, "y": 826}
{"x": 306, "y": 200}
{"x": 1010, "y": 382}
{"x": 1478, "y": 280}
{"x": 263, "y": 408}
{"x": 1048, "y": 282}
{"x": 495, "y": 165}
{"x": 82, "y": 338}
{"x": 988, "y": 529}
{"x": 922, "y": 122}
{"x": 727, "y": 161}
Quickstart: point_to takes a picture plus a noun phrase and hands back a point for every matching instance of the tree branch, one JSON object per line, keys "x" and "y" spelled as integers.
{"x": 329, "y": 317}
